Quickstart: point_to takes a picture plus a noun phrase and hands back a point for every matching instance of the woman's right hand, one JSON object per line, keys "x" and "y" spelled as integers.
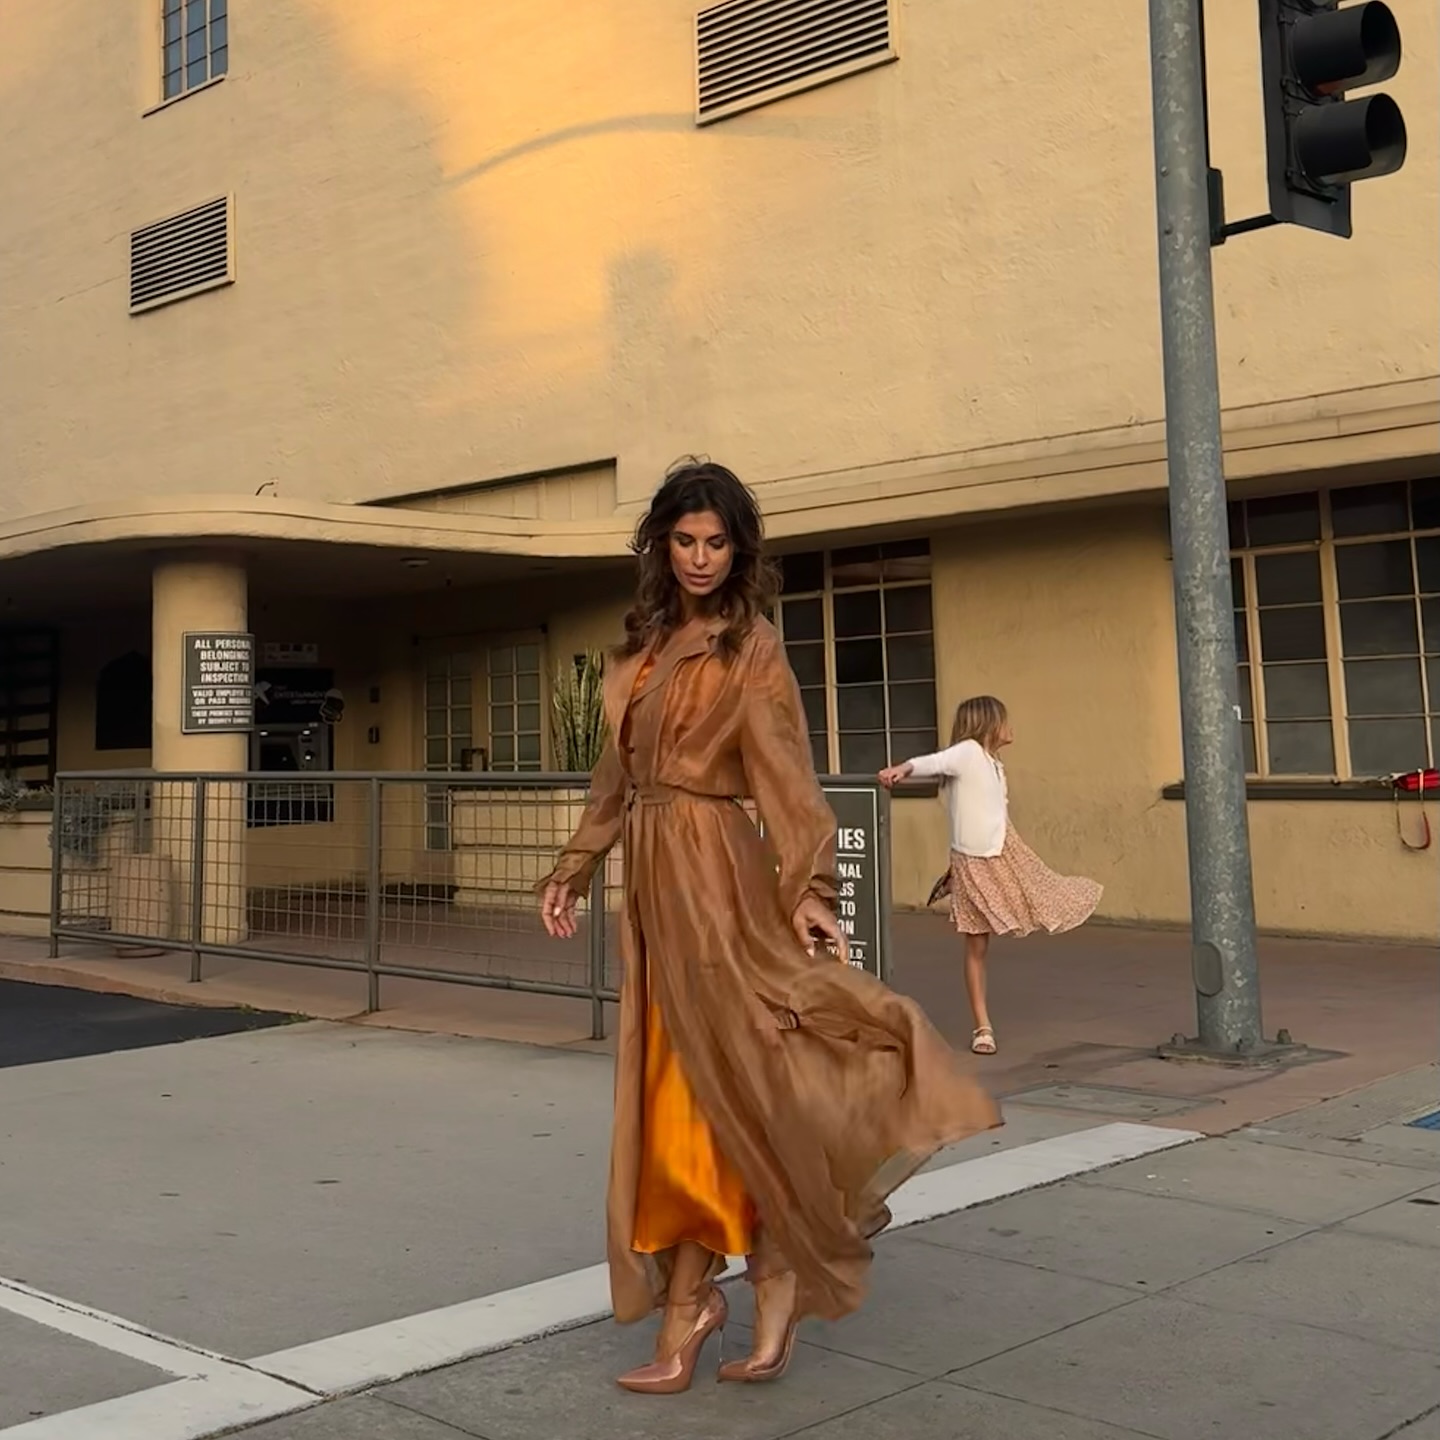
{"x": 892, "y": 776}
{"x": 557, "y": 910}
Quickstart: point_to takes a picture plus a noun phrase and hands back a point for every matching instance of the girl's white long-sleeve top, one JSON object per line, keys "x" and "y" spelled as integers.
{"x": 975, "y": 794}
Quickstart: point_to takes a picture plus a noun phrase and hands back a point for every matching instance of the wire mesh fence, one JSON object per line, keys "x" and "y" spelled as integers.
{"x": 426, "y": 876}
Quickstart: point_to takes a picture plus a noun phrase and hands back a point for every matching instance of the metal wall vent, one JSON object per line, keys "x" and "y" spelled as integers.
{"x": 751, "y": 52}
{"x": 182, "y": 255}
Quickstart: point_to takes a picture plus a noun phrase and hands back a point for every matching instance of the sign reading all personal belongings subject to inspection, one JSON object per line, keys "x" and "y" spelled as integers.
{"x": 219, "y": 683}
{"x": 860, "y": 871}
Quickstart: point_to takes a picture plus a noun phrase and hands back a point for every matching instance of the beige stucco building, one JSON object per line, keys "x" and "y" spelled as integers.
{"x": 368, "y": 328}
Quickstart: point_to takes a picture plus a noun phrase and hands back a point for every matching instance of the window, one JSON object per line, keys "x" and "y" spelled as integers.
{"x": 859, "y": 630}
{"x": 449, "y": 737}
{"x": 29, "y": 683}
{"x": 196, "y": 44}
{"x": 1337, "y": 622}
{"x": 515, "y": 727}
{"x": 751, "y": 52}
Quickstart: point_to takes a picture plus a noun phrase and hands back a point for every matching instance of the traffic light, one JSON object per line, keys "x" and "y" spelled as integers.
{"x": 1312, "y": 53}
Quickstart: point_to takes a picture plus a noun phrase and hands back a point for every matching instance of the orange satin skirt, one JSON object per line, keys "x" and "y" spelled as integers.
{"x": 687, "y": 1190}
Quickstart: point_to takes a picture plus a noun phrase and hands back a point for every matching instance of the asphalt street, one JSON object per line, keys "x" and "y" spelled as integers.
{"x": 46, "y": 1022}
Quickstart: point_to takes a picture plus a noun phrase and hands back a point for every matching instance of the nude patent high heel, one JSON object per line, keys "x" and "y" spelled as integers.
{"x": 758, "y": 1366}
{"x": 753, "y": 1370}
{"x": 674, "y": 1375}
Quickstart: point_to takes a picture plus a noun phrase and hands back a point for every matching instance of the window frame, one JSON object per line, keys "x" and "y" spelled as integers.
{"x": 185, "y": 87}
{"x": 1327, "y": 547}
{"x": 827, "y": 596}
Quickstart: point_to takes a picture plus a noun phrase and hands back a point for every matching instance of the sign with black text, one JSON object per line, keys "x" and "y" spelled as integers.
{"x": 219, "y": 678}
{"x": 861, "y": 871}
{"x": 857, "y": 868}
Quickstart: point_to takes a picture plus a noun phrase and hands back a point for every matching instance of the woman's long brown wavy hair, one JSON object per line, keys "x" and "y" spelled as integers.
{"x": 692, "y": 485}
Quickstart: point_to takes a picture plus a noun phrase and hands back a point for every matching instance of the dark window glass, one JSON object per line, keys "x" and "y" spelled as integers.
{"x": 1369, "y": 510}
{"x": 859, "y": 565}
{"x": 1297, "y": 634}
{"x": 1289, "y": 579}
{"x": 195, "y": 74}
{"x": 1242, "y": 636}
{"x": 1382, "y": 747}
{"x": 860, "y": 707}
{"x": 912, "y": 707}
{"x": 1245, "y": 685}
{"x": 907, "y": 744}
{"x": 1427, "y": 563}
{"x": 906, "y": 560}
{"x": 1297, "y": 692}
{"x": 1362, "y": 571}
{"x": 1301, "y": 747}
{"x": 857, "y": 614}
{"x": 1378, "y": 627}
{"x": 1235, "y": 512}
{"x": 863, "y": 754}
{"x": 859, "y": 662}
{"x": 1237, "y": 582}
{"x": 1425, "y": 504}
{"x": 908, "y": 610}
{"x": 1430, "y": 610}
{"x": 815, "y": 717}
{"x": 1283, "y": 519}
{"x": 803, "y": 572}
{"x": 911, "y": 657}
{"x": 1383, "y": 687}
{"x": 803, "y": 619}
{"x": 1247, "y": 737}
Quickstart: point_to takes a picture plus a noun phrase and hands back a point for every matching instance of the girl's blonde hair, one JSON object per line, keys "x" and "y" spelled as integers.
{"x": 982, "y": 718}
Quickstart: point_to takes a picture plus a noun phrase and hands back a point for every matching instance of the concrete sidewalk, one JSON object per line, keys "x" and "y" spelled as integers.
{"x": 1278, "y": 1283}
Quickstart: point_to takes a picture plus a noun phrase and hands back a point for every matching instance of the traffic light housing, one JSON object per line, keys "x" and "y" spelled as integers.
{"x": 1318, "y": 143}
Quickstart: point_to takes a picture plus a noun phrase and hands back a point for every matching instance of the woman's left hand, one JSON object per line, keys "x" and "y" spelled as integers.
{"x": 814, "y": 918}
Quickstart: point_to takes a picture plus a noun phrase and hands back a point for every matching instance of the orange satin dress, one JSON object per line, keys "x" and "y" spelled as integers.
{"x": 687, "y": 1189}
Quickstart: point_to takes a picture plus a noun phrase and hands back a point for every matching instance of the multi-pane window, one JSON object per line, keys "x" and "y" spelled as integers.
{"x": 1337, "y": 599}
{"x": 515, "y": 711}
{"x": 196, "y": 43}
{"x": 449, "y": 736}
{"x": 858, "y": 627}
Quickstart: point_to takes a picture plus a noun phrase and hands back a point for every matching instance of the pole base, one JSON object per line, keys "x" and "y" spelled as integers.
{"x": 1269, "y": 1054}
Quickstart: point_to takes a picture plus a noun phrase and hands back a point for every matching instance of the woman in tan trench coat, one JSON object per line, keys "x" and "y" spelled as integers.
{"x": 767, "y": 1098}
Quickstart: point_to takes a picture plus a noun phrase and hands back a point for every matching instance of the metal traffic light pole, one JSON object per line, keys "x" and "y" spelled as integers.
{"x": 1222, "y": 901}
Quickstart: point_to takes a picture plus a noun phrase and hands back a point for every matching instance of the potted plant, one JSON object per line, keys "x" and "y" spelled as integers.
{"x": 578, "y": 702}
{"x": 580, "y": 733}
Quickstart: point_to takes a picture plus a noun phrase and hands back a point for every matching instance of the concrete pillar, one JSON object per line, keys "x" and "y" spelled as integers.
{"x": 197, "y": 592}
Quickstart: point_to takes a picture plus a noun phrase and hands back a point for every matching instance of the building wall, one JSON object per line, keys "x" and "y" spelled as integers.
{"x": 1067, "y": 617}
{"x": 480, "y": 241}
{"x": 1070, "y": 621}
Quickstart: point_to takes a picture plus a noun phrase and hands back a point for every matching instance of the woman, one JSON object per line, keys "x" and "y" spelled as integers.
{"x": 767, "y": 1098}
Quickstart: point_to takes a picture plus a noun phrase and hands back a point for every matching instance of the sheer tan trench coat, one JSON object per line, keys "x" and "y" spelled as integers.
{"x": 824, "y": 1089}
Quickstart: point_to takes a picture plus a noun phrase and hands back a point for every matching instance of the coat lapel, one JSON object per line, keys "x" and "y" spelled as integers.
{"x": 696, "y": 638}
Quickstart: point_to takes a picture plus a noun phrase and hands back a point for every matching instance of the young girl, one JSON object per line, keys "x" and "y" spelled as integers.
{"x": 998, "y": 885}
